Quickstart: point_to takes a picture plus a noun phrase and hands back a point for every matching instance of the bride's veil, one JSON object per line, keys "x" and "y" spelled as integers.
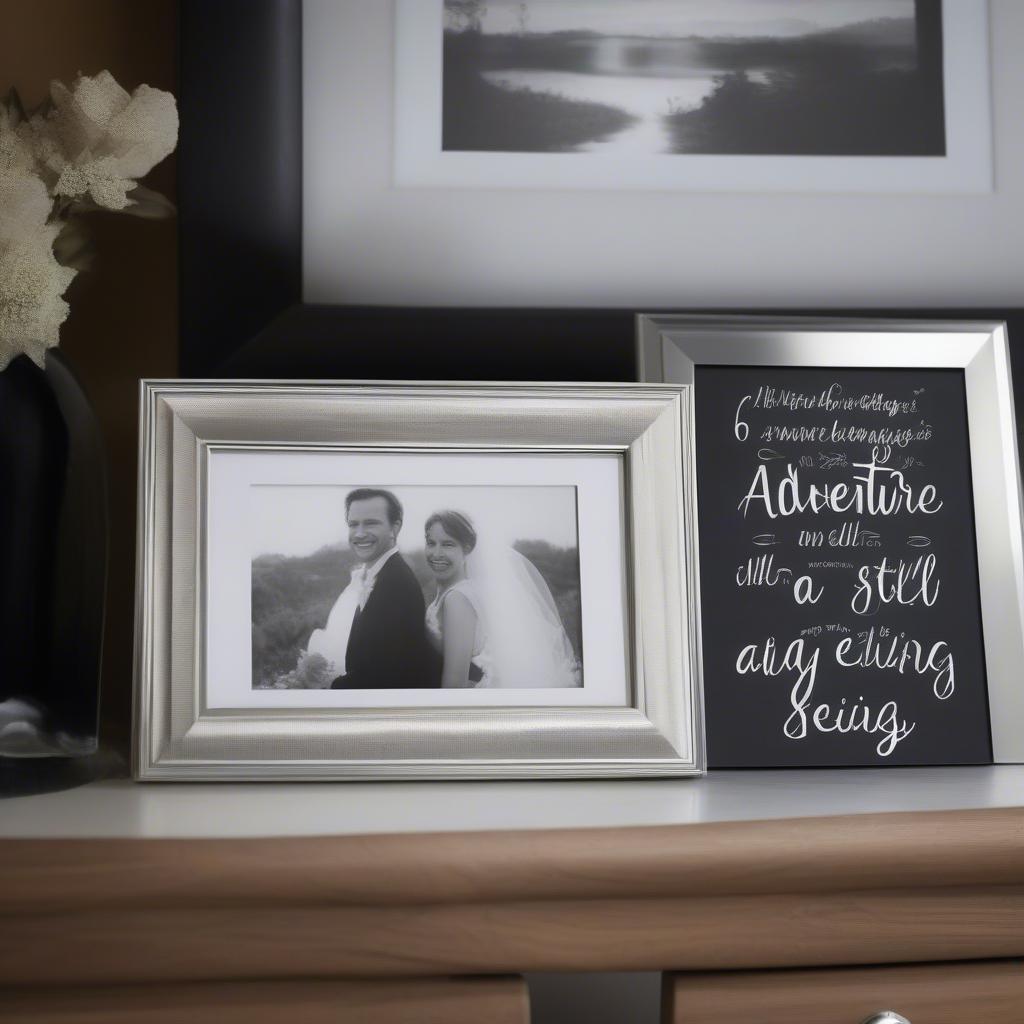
{"x": 528, "y": 645}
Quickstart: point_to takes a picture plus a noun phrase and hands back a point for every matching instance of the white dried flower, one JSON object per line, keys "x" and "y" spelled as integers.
{"x": 98, "y": 140}
{"x": 32, "y": 284}
{"x": 31, "y": 280}
{"x": 24, "y": 203}
{"x": 15, "y": 152}
{"x": 86, "y": 152}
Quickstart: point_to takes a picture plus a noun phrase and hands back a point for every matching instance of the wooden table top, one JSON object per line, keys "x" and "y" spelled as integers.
{"x": 117, "y": 883}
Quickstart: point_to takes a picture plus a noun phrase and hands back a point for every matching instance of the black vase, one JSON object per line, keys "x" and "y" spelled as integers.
{"x": 53, "y": 561}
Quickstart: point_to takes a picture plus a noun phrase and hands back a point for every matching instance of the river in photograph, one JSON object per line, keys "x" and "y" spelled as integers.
{"x": 645, "y": 98}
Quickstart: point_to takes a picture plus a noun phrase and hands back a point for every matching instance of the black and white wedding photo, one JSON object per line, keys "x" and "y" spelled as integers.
{"x": 378, "y": 587}
{"x": 767, "y": 77}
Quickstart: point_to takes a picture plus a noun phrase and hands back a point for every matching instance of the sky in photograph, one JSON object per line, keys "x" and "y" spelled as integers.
{"x": 300, "y": 520}
{"x": 691, "y": 17}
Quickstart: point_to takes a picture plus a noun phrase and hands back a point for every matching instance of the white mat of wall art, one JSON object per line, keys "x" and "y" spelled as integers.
{"x": 367, "y": 241}
{"x": 655, "y": 94}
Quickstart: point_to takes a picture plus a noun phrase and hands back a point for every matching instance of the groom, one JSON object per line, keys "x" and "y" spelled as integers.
{"x": 387, "y": 642}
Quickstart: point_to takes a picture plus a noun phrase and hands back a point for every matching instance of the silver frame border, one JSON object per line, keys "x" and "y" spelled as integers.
{"x": 670, "y": 347}
{"x": 176, "y": 738}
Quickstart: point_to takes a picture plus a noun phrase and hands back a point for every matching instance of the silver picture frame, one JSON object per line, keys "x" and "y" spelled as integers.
{"x": 670, "y": 348}
{"x": 177, "y": 737}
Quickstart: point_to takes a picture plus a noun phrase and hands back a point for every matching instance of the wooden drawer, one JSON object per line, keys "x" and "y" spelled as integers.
{"x": 381, "y": 1001}
{"x": 983, "y": 992}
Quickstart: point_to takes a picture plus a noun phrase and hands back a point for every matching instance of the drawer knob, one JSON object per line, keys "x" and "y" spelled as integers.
{"x": 886, "y": 1017}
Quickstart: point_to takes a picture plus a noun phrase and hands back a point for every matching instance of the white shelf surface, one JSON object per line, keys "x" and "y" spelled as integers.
{"x": 121, "y": 808}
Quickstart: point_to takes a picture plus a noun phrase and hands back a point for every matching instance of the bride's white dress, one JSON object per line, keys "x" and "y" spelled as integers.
{"x": 435, "y": 628}
{"x": 520, "y": 642}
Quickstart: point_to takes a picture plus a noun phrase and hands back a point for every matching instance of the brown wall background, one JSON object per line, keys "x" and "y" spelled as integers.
{"x": 124, "y": 312}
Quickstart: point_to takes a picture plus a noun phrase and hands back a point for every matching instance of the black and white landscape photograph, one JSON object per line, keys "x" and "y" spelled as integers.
{"x": 709, "y": 77}
{"x": 370, "y": 586}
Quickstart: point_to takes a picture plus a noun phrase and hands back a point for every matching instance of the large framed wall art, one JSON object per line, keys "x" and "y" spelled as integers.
{"x": 859, "y": 510}
{"x": 401, "y": 581}
{"x": 343, "y": 275}
{"x": 751, "y": 95}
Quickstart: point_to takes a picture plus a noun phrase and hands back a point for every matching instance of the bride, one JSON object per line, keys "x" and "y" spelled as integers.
{"x": 493, "y": 620}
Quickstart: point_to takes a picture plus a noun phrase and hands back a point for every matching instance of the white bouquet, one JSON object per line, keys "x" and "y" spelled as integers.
{"x": 82, "y": 150}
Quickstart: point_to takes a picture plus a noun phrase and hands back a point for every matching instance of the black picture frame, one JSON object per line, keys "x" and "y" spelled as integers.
{"x": 240, "y": 198}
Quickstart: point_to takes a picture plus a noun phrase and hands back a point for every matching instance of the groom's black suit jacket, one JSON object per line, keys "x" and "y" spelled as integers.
{"x": 388, "y": 647}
